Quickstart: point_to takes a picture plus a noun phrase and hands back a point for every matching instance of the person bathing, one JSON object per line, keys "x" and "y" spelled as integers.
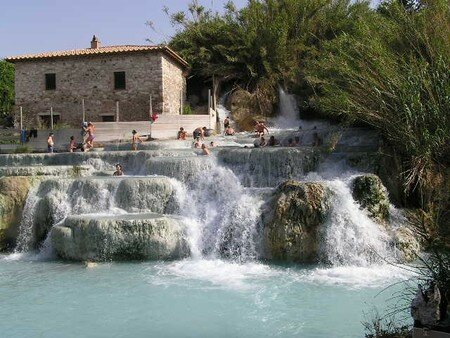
{"x": 119, "y": 170}
{"x": 205, "y": 150}
{"x": 135, "y": 140}
{"x": 181, "y": 134}
{"x": 199, "y": 133}
{"x": 90, "y": 129}
{"x": 73, "y": 146}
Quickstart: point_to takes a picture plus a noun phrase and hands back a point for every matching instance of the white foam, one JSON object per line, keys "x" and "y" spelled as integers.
{"x": 351, "y": 237}
{"x": 221, "y": 273}
{"x": 374, "y": 276}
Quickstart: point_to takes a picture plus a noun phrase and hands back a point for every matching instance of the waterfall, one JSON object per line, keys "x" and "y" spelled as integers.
{"x": 26, "y": 225}
{"x": 289, "y": 114}
{"x": 54, "y": 199}
{"x": 350, "y": 236}
{"x": 219, "y": 198}
{"x": 223, "y": 213}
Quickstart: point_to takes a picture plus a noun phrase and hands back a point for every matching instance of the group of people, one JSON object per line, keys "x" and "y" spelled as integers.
{"x": 87, "y": 136}
{"x": 26, "y": 135}
{"x": 199, "y": 135}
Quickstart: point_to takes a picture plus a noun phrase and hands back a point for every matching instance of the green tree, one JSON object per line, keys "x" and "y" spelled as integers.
{"x": 265, "y": 44}
{"x": 6, "y": 88}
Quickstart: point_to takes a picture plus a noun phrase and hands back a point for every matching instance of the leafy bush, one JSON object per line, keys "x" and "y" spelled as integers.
{"x": 187, "y": 110}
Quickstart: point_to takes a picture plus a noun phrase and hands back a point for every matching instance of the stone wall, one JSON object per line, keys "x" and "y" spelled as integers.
{"x": 174, "y": 86}
{"x": 92, "y": 78}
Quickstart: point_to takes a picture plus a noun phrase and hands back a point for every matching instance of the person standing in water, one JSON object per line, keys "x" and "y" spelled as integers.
{"x": 226, "y": 123}
{"x": 73, "y": 144}
{"x": 90, "y": 136}
{"x": 50, "y": 143}
{"x": 135, "y": 140}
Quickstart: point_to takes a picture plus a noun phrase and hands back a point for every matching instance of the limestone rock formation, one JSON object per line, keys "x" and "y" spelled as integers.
{"x": 425, "y": 307}
{"x": 56, "y": 198}
{"x": 39, "y": 170}
{"x": 369, "y": 191}
{"x": 13, "y": 194}
{"x": 292, "y": 221}
{"x": 125, "y": 237}
{"x": 244, "y": 106}
{"x": 406, "y": 242}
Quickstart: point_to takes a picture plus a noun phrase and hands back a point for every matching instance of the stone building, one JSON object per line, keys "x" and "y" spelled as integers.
{"x": 113, "y": 83}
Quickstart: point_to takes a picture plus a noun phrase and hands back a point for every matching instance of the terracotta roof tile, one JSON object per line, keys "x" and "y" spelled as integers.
{"x": 99, "y": 51}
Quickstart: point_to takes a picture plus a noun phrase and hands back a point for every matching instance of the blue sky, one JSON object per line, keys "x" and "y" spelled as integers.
{"x": 33, "y": 26}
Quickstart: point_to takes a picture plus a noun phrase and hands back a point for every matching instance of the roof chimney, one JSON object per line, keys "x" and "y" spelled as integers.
{"x": 95, "y": 43}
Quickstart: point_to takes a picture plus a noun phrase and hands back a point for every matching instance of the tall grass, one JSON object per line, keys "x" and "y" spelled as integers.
{"x": 393, "y": 74}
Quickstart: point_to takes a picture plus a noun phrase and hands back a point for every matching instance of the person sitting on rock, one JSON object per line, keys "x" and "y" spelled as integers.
{"x": 181, "y": 134}
{"x": 135, "y": 140}
{"x": 297, "y": 142}
{"x": 119, "y": 170}
{"x": 229, "y": 131}
{"x": 205, "y": 150}
{"x": 73, "y": 146}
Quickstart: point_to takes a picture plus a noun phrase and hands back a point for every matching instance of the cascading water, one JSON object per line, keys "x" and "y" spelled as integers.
{"x": 289, "y": 114}
{"x": 225, "y": 213}
{"x": 212, "y": 195}
{"x": 54, "y": 199}
{"x": 351, "y": 238}
{"x": 218, "y": 202}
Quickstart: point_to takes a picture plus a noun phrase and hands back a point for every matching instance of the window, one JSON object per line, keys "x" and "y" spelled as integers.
{"x": 119, "y": 80}
{"x": 108, "y": 118}
{"x": 45, "y": 120}
{"x": 50, "y": 81}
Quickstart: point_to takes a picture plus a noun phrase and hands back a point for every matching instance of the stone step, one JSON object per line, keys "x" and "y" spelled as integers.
{"x": 121, "y": 237}
{"x": 60, "y": 171}
{"x": 166, "y": 127}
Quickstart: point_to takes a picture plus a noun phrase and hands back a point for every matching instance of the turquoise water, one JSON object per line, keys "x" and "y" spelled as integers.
{"x": 190, "y": 298}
